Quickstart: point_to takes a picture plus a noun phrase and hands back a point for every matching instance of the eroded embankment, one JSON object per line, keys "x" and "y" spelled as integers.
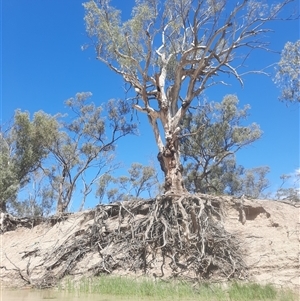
{"x": 108, "y": 238}
{"x": 269, "y": 231}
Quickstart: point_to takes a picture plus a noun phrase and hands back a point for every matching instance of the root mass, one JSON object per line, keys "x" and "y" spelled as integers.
{"x": 170, "y": 236}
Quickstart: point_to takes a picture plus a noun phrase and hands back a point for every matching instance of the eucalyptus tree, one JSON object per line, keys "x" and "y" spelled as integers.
{"x": 229, "y": 178}
{"x": 210, "y": 138}
{"x": 289, "y": 189}
{"x": 86, "y": 144}
{"x": 141, "y": 181}
{"x": 24, "y": 147}
{"x": 9, "y": 183}
{"x": 288, "y": 72}
{"x": 37, "y": 198}
{"x": 171, "y": 51}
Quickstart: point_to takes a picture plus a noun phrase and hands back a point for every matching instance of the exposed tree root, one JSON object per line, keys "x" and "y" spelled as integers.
{"x": 171, "y": 236}
{"x": 9, "y": 222}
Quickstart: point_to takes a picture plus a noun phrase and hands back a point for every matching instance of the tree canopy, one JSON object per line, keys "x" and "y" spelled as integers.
{"x": 288, "y": 72}
{"x": 23, "y": 148}
{"x": 171, "y": 51}
{"x": 211, "y": 137}
{"x": 54, "y": 153}
{"x": 86, "y": 141}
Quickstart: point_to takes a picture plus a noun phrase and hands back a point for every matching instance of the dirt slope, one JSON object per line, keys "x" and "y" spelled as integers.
{"x": 268, "y": 232}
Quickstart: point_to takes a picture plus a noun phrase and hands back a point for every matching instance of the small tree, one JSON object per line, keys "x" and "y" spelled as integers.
{"x": 211, "y": 137}
{"x": 288, "y": 72}
{"x": 254, "y": 182}
{"x": 9, "y": 184}
{"x": 23, "y": 148}
{"x": 86, "y": 142}
{"x": 171, "y": 51}
{"x": 38, "y": 197}
{"x": 289, "y": 190}
{"x": 232, "y": 179}
{"x": 141, "y": 179}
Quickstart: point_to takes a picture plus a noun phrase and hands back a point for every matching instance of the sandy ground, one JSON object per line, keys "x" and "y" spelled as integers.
{"x": 270, "y": 236}
{"x": 268, "y": 231}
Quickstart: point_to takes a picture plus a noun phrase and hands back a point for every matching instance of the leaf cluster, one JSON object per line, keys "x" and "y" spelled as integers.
{"x": 24, "y": 147}
{"x": 288, "y": 72}
{"x": 209, "y": 142}
{"x": 54, "y": 152}
{"x": 140, "y": 180}
{"x": 86, "y": 142}
{"x": 289, "y": 190}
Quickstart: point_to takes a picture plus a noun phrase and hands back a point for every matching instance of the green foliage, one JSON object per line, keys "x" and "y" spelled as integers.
{"x": 115, "y": 37}
{"x": 38, "y": 197}
{"x": 52, "y": 153}
{"x": 211, "y": 138}
{"x": 288, "y": 72}
{"x": 140, "y": 180}
{"x": 177, "y": 37}
{"x": 23, "y": 149}
{"x": 253, "y": 182}
{"x": 29, "y": 137}
{"x": 9, "y": 184}
{"x": 86, "y": 142}
{"x": 170, "y": 52}
{"x": 290, "y": 187}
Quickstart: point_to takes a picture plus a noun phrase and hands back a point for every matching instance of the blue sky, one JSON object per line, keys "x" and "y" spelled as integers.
{"x": 42, "y": 65}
